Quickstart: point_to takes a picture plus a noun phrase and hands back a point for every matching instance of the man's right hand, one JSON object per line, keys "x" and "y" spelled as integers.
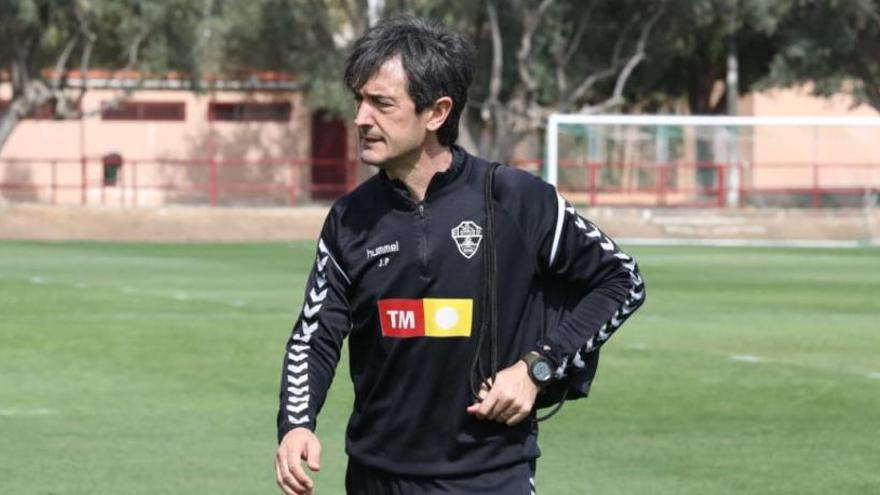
{"x": 299, "y": 444}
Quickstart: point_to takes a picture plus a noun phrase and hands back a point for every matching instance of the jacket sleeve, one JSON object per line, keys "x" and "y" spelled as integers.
{"x": 313, "y": 348}
{"x": 582, "y": 257}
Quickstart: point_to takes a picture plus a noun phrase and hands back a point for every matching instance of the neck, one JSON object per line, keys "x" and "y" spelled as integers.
{"x": 416, "y": 173}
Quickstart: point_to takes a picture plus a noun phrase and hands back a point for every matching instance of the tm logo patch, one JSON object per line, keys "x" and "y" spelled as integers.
{"x": 467, "y": 236}
{"x": 408, "y": 318}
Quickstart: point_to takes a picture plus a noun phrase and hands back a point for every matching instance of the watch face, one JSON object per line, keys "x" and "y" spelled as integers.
{"x": 541, "y": 371}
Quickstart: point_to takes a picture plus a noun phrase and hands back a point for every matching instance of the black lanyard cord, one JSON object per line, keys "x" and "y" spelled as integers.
{"x": 489, "y": 311}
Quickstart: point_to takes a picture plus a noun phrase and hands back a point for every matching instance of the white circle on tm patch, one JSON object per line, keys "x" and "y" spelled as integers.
{"x": 446, "y": 317}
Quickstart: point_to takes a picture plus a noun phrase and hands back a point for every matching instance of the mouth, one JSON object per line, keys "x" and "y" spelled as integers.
{"x": 371, "y": 139}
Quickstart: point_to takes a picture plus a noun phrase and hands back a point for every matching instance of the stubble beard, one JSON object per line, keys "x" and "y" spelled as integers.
{"x": 395, "y": 163}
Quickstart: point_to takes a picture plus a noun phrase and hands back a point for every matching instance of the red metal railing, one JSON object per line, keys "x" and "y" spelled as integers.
{"x": 216, "y": 182}
{"x": 706, "y": 184}
{"x": 160, "y": 181}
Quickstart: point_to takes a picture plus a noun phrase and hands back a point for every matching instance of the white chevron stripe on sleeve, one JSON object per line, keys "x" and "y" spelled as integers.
{"x": 311, "y": 311}
{"x": 321, "y": 262}
{"x": 297, "y": 357}
{"x": 308, "y": 328}
{"x": 298, "y": 421}
{"x": 297, "y": 368}
{"x": 299, "y": 390}
{"x": 633, "y": 300}
{"x": 317, "y": 296}
{"x": 297, "y": 409}
{"x": 297, "y": 380}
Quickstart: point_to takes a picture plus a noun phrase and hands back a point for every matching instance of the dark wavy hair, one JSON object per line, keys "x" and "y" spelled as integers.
{"x": 437, "y": 62}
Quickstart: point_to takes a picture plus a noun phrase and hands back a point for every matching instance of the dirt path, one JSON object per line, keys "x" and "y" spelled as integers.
{"x": 194, "y": 224}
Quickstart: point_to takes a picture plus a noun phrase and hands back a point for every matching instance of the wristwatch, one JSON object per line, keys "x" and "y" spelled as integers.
{"x": 540, "y": 368}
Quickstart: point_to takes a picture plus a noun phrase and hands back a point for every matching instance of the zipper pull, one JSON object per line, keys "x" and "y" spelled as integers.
{"x": 422, "y": 210}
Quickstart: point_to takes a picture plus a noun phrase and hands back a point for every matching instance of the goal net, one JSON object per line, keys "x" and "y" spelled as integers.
{"x": 665, "y": 160}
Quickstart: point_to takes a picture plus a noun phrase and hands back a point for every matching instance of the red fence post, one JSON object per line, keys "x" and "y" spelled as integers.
{"x": 212, "y": 192}
{"x": 291, "y": 195}
{"x": 720, "y": 169}
{"x": 54, "y": 181}
{"x": 134, "y": 183}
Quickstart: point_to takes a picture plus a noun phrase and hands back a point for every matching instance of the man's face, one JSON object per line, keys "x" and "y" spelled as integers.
{"x": 391, "y": 132}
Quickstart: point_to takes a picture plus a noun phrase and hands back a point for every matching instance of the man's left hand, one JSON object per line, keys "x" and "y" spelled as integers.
{"x": 510, "y": 398}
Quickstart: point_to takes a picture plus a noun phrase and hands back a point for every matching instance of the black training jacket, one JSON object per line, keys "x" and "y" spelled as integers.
{"x": 403, "y": 281}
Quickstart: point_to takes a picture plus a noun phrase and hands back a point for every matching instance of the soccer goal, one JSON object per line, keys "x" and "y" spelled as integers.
{"x": 666, "y": 160}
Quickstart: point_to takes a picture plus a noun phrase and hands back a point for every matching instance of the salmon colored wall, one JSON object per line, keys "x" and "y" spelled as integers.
{"x": 779, "y": 157}
{"x": 195, "y": 138}
{"x": 784, "y": 156}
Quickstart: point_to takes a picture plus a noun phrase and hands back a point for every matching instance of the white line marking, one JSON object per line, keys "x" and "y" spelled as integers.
{"x": 27, "y": 412}
{"x": 745, "y": 358}
{"x": 804, "y": 243}
{"x": 238, "y": 303}
{"x": 181, "y": 296}
{"x": 874, "y": 375}
{"x": 80, "y": 285}
{"x": 127, "y": 290}
{"x": 638, "y": 346}
{"x": 36, "y": 279}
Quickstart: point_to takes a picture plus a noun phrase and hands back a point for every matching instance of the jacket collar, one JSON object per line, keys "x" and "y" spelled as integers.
{"x": 440, "y": 180}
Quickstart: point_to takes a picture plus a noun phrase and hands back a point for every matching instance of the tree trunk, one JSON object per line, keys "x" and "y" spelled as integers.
{"x": 9, "y": 119}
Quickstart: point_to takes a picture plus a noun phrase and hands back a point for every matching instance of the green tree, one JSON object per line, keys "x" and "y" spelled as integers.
{"x": 42, "y": 40}
{"x": 695, "y": 43}
{"x": 539, "y": 57}
{"x": 534, "y": 57}
{"x": 835, "y": 45}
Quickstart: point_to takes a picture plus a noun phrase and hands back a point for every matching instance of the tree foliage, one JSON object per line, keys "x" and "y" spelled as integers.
{"x": 833, "y": 44}
{"x": 689, "y": 54}
{"x": 535, "y": 57}
{"x": 41, "y": 41}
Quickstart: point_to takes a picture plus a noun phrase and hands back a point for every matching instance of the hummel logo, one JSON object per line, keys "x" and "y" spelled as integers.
{"x": 385, "y": 249}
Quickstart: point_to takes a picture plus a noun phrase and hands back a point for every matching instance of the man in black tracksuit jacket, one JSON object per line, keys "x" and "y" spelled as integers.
{"x": 399, "y": 272}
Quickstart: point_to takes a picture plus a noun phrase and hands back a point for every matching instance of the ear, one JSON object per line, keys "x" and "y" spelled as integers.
{"x": 438, "y": 113}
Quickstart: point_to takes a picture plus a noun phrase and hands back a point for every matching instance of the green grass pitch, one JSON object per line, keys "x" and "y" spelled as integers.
{"x": 147, "y": 369}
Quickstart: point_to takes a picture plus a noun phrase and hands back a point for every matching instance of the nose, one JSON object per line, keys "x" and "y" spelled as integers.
{"x": 362, "y": 115}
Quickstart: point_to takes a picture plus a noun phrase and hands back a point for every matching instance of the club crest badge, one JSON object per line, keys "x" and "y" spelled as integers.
{"x": 467, "y": 236}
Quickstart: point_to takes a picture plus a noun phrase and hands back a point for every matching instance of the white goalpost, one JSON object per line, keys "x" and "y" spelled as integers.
{"x": 673, "y": 160}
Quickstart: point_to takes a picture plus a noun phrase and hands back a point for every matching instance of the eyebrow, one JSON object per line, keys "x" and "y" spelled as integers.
{"x": 378, "y": 96}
